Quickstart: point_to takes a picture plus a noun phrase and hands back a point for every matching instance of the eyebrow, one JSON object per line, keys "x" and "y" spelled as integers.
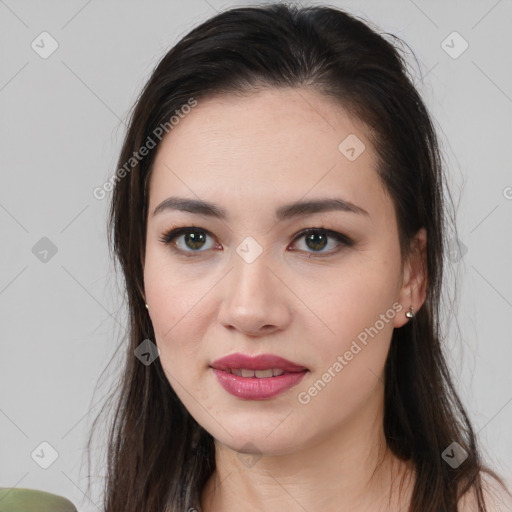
{"x": 282, "y": 213}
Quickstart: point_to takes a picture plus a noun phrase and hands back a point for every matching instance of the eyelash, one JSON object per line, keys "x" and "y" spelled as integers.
{"x": 342, "y": 239}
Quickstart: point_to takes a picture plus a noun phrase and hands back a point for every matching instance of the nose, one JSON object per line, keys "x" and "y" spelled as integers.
{"x": 255, "y": 300}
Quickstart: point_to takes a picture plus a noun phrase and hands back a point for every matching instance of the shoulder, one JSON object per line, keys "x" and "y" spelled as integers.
{"x": 496, "y": 497}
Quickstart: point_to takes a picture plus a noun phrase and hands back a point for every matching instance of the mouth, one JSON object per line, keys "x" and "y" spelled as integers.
{"x": 257, "y": 378}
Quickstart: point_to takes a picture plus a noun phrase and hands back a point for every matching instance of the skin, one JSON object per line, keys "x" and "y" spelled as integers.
{"x": 250, "y": 155}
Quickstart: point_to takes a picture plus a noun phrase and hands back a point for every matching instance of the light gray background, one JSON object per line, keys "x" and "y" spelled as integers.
{"x": 62, "y": 122}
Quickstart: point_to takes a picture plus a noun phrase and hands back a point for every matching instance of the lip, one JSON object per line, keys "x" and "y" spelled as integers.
{"x": 260, "y": 362}
{"x": 255, "y": 388}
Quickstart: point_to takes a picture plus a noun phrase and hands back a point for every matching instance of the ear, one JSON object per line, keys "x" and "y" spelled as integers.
{"x": 414, "y": 279}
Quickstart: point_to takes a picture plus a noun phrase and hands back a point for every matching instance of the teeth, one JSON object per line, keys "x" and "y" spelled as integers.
{"x": 260, "y": 374}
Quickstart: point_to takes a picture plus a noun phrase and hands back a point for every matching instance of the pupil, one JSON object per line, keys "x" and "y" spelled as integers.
{"x": 315, "y": 236}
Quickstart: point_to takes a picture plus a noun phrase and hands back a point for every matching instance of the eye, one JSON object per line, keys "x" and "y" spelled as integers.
{"x": 318, "y": 239}
{"x": 194, "y": 238}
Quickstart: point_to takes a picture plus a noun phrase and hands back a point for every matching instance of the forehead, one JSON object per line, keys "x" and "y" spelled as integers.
{"x": 268, "y": 147}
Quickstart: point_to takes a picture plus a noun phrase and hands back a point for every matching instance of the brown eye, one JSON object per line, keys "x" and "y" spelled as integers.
{"x": 316, "y": 241}
{"x": 318, "y": 238}
{"x": 189, "y": 239}
{"x": 194, "y": 239}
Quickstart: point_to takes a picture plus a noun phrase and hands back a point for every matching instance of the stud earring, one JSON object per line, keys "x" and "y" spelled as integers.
{"x": 410, "y": 314}
{"x": 147, "y": 307}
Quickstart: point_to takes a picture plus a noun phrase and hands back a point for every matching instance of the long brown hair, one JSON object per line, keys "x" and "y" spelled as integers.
{"x": 158, "y": 457}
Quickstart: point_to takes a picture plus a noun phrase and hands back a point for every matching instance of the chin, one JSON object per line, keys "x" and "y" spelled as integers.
{"x": 256, "y": 440}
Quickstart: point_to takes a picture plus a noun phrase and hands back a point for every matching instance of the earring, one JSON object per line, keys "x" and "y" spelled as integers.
{"x": 147, "y": 307}
{"x": 410, "y": 314}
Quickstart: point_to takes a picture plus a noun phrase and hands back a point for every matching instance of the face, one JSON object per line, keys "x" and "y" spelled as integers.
{"x": 256, "y": 280}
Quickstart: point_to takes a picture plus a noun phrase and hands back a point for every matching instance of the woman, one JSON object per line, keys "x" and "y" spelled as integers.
{"x": 278, "y": 216}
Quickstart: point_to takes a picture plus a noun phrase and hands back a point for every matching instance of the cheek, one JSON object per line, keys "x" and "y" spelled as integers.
{"x": 358, "y": 296}
{"x": 171, "y": 295}
{"x": 358, "y": 309}
{"x": 350, "y": 362}
{"x": 174, "y": 308}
